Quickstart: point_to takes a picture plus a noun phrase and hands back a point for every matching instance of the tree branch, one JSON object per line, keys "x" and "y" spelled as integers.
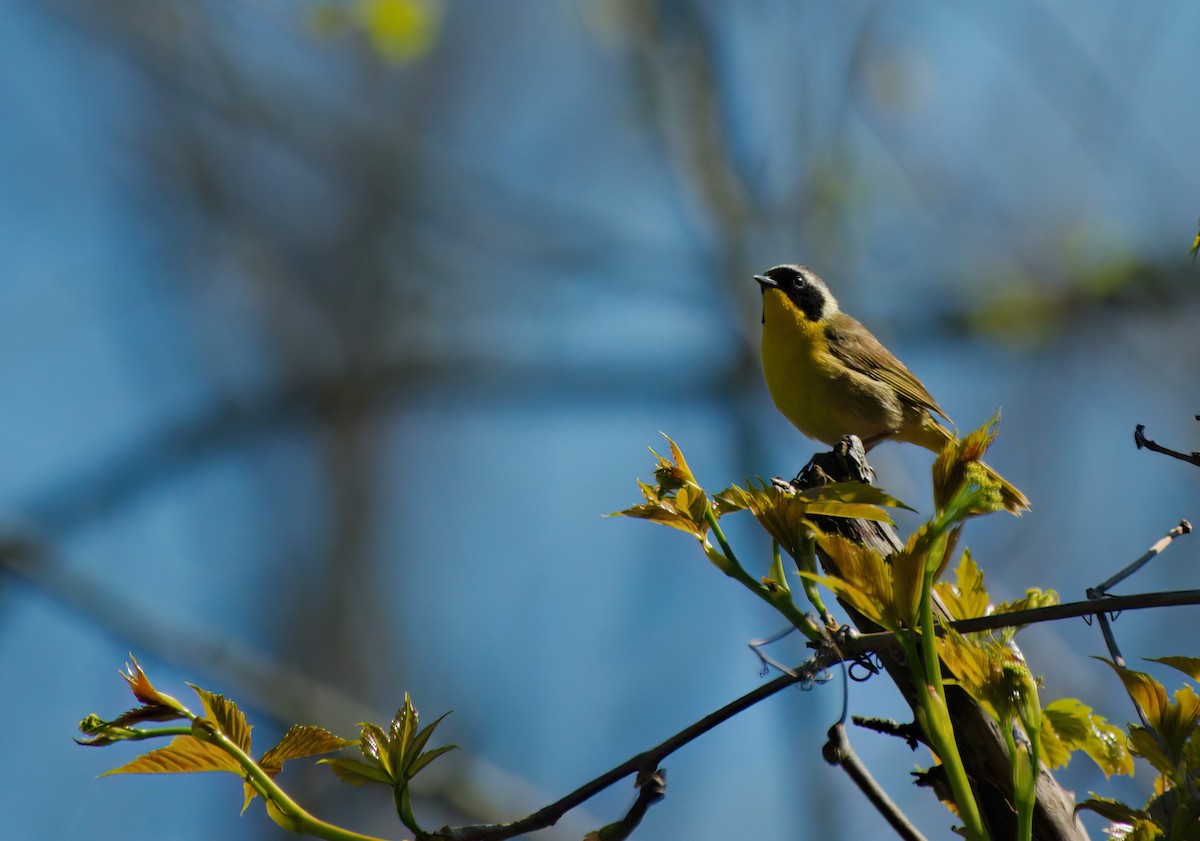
{"x": 1140, "y": 439}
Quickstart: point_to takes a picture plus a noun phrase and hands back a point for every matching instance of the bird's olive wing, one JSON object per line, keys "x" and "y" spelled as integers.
{"x": 854, "y": 345}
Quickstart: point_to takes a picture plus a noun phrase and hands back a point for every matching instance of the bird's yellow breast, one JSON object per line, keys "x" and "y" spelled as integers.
{"x": 823, "y": 397}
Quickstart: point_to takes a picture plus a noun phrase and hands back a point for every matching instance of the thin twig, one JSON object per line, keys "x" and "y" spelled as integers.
{"x": 884, "y": 640}
{"x": 837, "y": 751}
{"x": 1140, "y": 439}
{"x": 1100, "y": 590}
{"x": 1162, "y": 543}
{"x": 642, "y": 763}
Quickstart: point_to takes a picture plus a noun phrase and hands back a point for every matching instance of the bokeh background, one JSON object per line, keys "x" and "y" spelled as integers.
{"x": 328, "y": 332}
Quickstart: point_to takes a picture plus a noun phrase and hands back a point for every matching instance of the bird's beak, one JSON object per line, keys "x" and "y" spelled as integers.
{"x": 766, "y": 282}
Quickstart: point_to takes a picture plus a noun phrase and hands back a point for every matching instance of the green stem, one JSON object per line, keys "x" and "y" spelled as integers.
{"x": 941, "y": 731}
{"x": 809, "y": 553}
{"x": 301, "y": 821}
{"x": 779, "y": 599}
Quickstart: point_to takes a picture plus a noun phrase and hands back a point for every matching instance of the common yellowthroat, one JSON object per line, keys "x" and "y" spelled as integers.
{"x": 830, "y": 377}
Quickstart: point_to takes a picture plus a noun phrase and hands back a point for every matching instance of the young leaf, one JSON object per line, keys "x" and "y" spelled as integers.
{"x": 226, "y": 715}
{"x": 1146, "y": 692}
{"x": 356, "y": 772}
{"x": 1033, "y": 598}
{"x": 676, "y": 501}
{"x": 1113, "y": 810}
{"x": 373, "y": 743}
{"x": 1179, "y": 720}
{"x": 1146, "y": 744}
{"x": 967, "y": 597}
{"x": 853, "y": 492}
{"x": 185, "y": 754}
{"x": 157, "y": 706}
{"x": 951, "y": 469}
{"x": 1073, "y": 725}
{"x": 298, "y": 742}
{"x": 863, "y": 578}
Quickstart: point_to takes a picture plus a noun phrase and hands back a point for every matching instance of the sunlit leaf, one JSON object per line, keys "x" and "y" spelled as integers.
{"x": 967, "y": 597}
{"x": 1146, "y": 692}
{"x": 373, "y": 743}
{"x": 301, "y": 741}
{"x": 855, "y": 596}
{"x": 908, "y": 570}
{"x": 394, "y": 755}
{"x": 853, "y": 492}
{"x": 862, "y": 577}
{"x": 145, "y": 692}
{"x": 1076, "y": 727}
{"x": 298, "y": 742}
{"x": 1055, "y": 752}
{"x": 185, "y": 754}
{"x": 1033, "y": 598}
{"x": 977, "y": 666}
{"x": 1113, "y": 810}
{"x": 1178, "y": 722}
{"x": 226, "y": 715}
{"x": 400, "y": 735}
{"x": 952, "y": 467}
{"x": 676, "y": 500}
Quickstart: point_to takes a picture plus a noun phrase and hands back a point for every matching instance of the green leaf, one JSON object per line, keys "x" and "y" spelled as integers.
{"x": 1113, "y": 810}
{"x": 853, "y": 492}
{"x": 298, "y": 742}
{"x": 1076, "y": 727}
{"x": 418, "y": 745}
{"x": 400, "y": 737}
{"x": 357, "y": 773}
{"x": 676, "y": 500}
{"x": 427, "y": 757}
{"x": 951, "y": 468}
{"x": 1179, "y": 720}
{"x": 967, "y": 597}
{"x": 1146, "y": 692}
{"x": 184, "y": 755}
{"x": 1033, "y": 598}
{"x": 1145, "y": 743}
{"x": 908, "y": 570}
{"x": 373, "y": 743}
{"x": 226, "y": 715}
{"x": 863, "y": 578}
{"x": 301, "y": 741}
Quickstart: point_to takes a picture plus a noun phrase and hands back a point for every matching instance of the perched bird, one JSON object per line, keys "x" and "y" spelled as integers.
{"x": 830, "y": 377}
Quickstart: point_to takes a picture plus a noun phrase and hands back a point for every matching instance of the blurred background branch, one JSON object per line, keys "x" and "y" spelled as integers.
{"x": 331, "y": 328}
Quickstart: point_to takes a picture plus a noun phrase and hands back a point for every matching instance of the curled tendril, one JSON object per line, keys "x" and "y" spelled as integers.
{"x": 864, "y": 667}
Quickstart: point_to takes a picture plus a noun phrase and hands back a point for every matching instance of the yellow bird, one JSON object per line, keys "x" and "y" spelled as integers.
{"x": 830, "y": 377}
